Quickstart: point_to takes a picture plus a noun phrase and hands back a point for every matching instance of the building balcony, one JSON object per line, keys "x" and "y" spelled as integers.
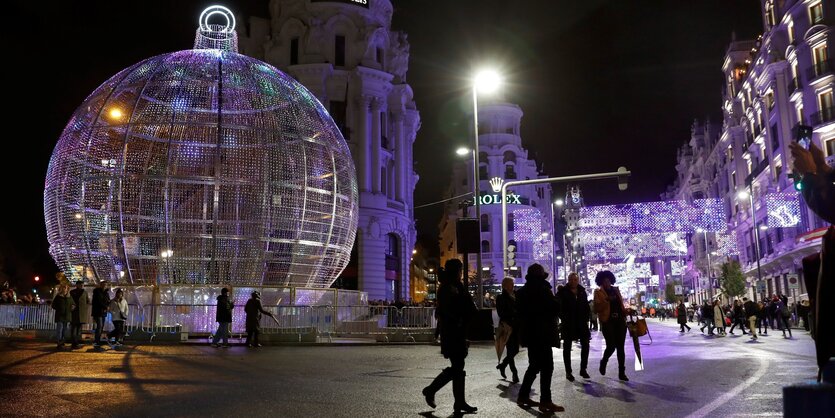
{"x": 820, "y": 69}
{"x": 398, "y": 206}
{"x": 825, "y": 115}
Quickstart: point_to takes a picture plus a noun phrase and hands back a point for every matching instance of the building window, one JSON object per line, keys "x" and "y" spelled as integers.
{"x": 383, "y": 179}
{"x": 485, "y": 223}
{"x": 821, "y": 60}
{"x": 775, "y": 140}
{"x": 339, "y": 113}
{"x": 510, "y": 223}
{"x": 830, "y": 147}
{"x": 509, "y": 157}
{"x": 509, "y": 172}
{"x": 339, "y": 51}
{"x": 380, "y": 55}
{"x": 485, "y": 246}
{"x": 790, "y": 30}
{"x": 770, "y": 19}
{"x": 816, "y": 12}
{"x": 384, "y": 140}
{"x": 827, "y": 108}
{"x": 294, "y": 51}
{"x": 733, "y": 179}
{"x": 730, "y": 153}
{"x": 482, "y": 172}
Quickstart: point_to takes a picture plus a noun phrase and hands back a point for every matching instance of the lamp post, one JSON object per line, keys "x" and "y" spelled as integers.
{"x": 750, "y": 195}
{"x": 558, "y": 203}
{"x": 709, "y": 265}
{"x": 486, "y": 81}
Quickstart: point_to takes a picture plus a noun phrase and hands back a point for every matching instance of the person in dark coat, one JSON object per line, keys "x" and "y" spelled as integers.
{"x": 574, "y": 315}
{"x": 253, "y": 311}
{"x": 538, "y": 313}
{"x": 739, "y": 317}
{"x": 707, "y": 317}
{"x": 608, "y": 303}
{"x": 101, "y": 302}
{"x": 506, "y": 309}
{"x": 454, "y": 310}
{"x": 751, "y": 311}
{"x": 681, "y": 315}
{"x": 81, "y": 312}
{"x": 223, "y": 316}
{"x": 63, "y": 305}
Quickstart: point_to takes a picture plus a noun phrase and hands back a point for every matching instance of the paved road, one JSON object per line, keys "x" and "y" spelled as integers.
{"x": 686, "y": 375}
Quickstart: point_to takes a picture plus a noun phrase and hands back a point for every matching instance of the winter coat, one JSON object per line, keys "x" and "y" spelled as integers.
{"x": 506, "y": 308}
{"x": 81, "y": 299}
{"x": 738, "y": 312}
{"x": 707, "y": 312}
{"x": 751, "y": 309}
{"x": 101, "y": 300}
{"x": 602, "y": 303}
{"x": 63, "y": 308}
{"x": 455, "y": 308}
{"x": 119, "y": 309}
{"x": 574, "y": 313}
{"x": 224, "y": 309}
{"x": 538, "y": 311}
{"x": 253, "y": 311}
{"x": 681, "y": 314}
{"x": 718, "y": 317}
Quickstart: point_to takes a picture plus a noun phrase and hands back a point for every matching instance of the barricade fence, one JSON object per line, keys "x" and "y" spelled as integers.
{"x": 383, "y": 323}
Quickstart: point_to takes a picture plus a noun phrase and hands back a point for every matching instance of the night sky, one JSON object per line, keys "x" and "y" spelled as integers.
{"x": 601, "y": 83}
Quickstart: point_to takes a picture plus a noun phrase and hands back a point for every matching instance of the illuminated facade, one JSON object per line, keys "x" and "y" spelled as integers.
{"x": 772, "y": 84}
{"x": 347, "y": 55}
{"x": 502, "y": 158}
{"x": 201, "y": 168}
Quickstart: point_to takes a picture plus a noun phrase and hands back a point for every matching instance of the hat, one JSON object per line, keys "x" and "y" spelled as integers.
{"x": 537, "y": 271}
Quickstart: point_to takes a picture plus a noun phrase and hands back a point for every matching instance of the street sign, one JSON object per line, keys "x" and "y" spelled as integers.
{"x": 678, "y": 289}
{"x": 761, "y": 287}
{"x": 793, "y": 282}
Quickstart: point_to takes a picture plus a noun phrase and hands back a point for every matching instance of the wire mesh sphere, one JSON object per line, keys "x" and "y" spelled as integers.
{"x": 200, "y": 167}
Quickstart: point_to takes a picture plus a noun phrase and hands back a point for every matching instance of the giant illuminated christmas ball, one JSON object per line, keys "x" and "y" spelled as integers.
{"x": 198, "y": 167}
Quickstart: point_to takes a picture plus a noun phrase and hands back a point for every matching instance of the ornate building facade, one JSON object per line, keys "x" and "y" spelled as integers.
{"x": 775, "y": 87}
{"x": 346, "y": 54}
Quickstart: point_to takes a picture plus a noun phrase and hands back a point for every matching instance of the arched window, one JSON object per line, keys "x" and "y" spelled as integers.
{"x": 485, "y": 222}
{"x": 485, "y": 246}
{"x": 509, "y": 156}
{"x": 509, "y": 171}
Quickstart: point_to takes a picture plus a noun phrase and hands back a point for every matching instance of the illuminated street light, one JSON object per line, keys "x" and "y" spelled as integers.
{"x": 462, "y": 151}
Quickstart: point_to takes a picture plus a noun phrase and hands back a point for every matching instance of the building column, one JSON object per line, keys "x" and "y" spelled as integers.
{"x": 400, "y": 158}
{"x": 371, "y": 262}
{"x": 362, "y": 104}
{"x": 376, "y": 106}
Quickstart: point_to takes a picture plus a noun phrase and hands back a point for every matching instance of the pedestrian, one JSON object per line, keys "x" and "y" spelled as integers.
{"x": 681, "y": 315}
{"x": 752, "y": 311}
{"x": 538, "y": 313}
{"x": 707, "y": 317}
{"x": 223, "y": 316}
{"x": 803, "y": 313}
{"x": 119, "y": 311}
{"x": 762, "y": 318}
{"x": 608, "y": 303}
{"x": 253, "y": 310}
{"x": 738, "y": 318}
{"x": 594, "y": 325}
{"x": 81, "y": 312}
{"x": 63, "y": 305}
{"x": 718, "y": 318}
{"x": 506, "y": 309}
{"x": 574, "y": 314}
{"x": 101, "y": 301}
{"x": 455, "y": 309}
{"x": 782, "y": 315}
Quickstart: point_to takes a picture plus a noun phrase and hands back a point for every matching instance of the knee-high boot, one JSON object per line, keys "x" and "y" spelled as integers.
{"x": 440, "y": 381}
{"x": 458, "y": 392}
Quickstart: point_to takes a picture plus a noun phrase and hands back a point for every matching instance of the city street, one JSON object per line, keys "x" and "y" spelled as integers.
{"x": 686, "y": 375}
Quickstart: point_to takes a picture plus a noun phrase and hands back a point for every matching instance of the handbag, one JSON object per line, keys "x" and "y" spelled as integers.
{"x": 638, "y": 328}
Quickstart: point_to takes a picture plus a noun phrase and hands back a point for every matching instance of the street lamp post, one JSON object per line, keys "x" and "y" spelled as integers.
{"x": 558, "y": 203}
{"x": 709, "y": 266}
{"x": 750, "y": 195}
{"x": 486, "y": 81}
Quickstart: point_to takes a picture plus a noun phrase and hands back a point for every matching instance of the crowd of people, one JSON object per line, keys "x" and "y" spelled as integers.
{"x": 534, "y": 317}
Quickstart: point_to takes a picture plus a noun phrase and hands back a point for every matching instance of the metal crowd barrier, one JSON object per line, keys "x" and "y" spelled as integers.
{"x": 384, "y": 323}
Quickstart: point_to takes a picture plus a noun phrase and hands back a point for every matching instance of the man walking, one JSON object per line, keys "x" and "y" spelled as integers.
{"x": 223, "y": 315}
{"x": 101, "y": 301}
{"x": 681, "y": 315}
{"x": 739, "y": 318}
{"x": 751, "y": 310}
{"x": 538, "y": 309}
{"x": 81, "y": 312}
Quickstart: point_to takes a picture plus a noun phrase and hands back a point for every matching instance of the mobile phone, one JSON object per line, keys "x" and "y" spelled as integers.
{"x": 804, "y": 142}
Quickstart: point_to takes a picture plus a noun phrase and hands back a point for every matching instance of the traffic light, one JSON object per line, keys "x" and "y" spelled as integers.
{"x": 797, "y": 179}
{"x": 511, "y": 254}
{"x": 803, "y": 136}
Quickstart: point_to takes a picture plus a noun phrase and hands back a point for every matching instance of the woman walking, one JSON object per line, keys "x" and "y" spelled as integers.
{"x": 119, "y": 310}
{"x": 455, "y": 307}
{"x": 64, "y": 306}
{"x": 608, "y": 303}
{"x": 681, "y": 314}
{"x": 506, "y": 309}
{"x": 718, "y": 318}
{"x": 574, "y": 314}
